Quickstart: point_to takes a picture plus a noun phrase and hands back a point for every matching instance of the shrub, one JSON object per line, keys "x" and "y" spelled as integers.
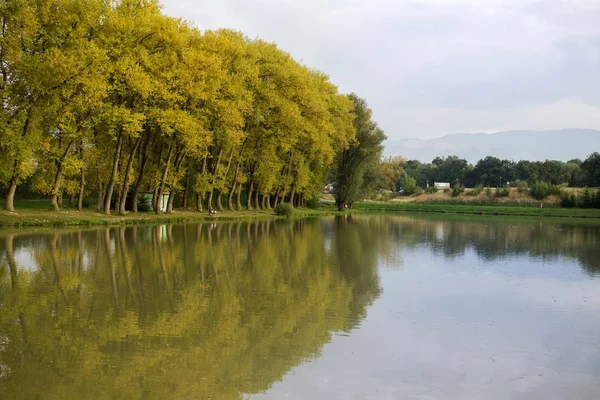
{"x": 568, "y": 201}
{"x": 144, "y": 203}
{"x": 476, "y": 191}
{"x": 431, "y": 190}
{"x": 457, "y": 190}
{"x": 418, "y": 191}
{"x": 587, "y": 198}
{"x": 522, "y": 187}
{"x": 409, "y": 184}
{"x": 447, "y": 190}
{"x": 503, "y": 192}
{"x": 284, "y": 209}
{"x": 85, "y": 203}
{"x": 556, "y": 190}
{"x": 489, "y": 193}
{"x": 313, "y": 202}
{"x": 540, "y": 190}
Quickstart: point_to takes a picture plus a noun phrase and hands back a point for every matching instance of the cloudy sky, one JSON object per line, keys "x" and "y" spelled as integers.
{"x": 434, "y": 67}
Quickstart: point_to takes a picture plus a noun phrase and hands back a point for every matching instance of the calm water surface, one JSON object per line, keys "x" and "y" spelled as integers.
{"x": 356, "y": 307}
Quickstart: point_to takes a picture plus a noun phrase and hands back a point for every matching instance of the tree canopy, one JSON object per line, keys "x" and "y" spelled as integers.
{"x": 112, "y": 99}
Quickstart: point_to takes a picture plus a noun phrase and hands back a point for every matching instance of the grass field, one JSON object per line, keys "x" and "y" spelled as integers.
{"x": 38, "y": 213}
{"x": 479, "y": 209}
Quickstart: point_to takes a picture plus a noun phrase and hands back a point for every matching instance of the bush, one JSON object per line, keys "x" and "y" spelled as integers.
{"x": 503, "y": 192}
{"x": 145, "y": 203}
{"x": 85, "y": 203}
{"x": 284, "y": 209}
{"x": 447, "y": 190}
{"x": 418, "y": 191}
{"x": 409, "y": 184}
{"x": 313, "y": 203}
{"x": 522, "y": 187}
{"x": 540, "y": 190}
{"x": 489, "y": 193}
{"x": 568, "y": 201}
{"x": 431, "y": 190}
{"x": 476, "y": 191}
{"x": 556, "y": 190}
{"x": 587, "y": 198}
{"x": 457, "y": 190}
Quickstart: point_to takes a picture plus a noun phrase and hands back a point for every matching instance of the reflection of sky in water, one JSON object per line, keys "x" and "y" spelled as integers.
{"x": 461, "y": 327}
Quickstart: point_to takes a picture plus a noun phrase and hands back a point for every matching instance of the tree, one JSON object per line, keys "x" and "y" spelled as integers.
{"x": 591, "y": 166}
{"x": 365, "y": 152}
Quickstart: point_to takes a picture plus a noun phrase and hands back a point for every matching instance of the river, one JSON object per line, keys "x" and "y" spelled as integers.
{"x": 358, "y": 307}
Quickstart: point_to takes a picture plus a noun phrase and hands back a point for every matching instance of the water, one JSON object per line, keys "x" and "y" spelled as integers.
{"x": 356, "y": 307}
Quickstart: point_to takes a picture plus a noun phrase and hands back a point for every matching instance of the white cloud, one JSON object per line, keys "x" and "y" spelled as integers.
{"x": 431, "y": 67}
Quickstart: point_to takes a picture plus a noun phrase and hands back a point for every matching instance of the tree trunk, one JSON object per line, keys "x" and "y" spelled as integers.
{"x": 138, "y": 182}
{"x": 81, "y": 190}
{"x": 276, "y": 200}
{"x": 100, "y": 199}
{"x": 268, "y": 201}
{"x": 163, "y": 180}
{"x": 219, "y": 205}
{"x": 230, "y": 197}
{"x": 186, "y": 191}
{"x": 198, "y": 202}
{"x": 292, "y": 195}
{"x": 214, "y": 180}
{"x": 256, "y": 205}
{"x": 264, "y": 202}
{"x": 113, "y": 175}
{"x": 170, "y": 201}
{"x": 10, "y": 196}
{"x": 239, "y": 197}
{"x": 125, "y": 187}
{"x": 249, "y": 199}
{"x": 58, "y": 177}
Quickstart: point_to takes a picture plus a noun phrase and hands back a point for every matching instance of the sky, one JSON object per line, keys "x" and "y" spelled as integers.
{"x": 433, "y": 67}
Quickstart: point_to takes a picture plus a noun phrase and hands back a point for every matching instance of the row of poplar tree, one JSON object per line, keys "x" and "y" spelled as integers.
{"x": 109, "y": 99}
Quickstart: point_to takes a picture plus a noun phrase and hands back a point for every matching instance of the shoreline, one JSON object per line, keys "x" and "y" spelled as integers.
{"x": 485, "y": 210}
{"x": 49, "y": 218}
{"x": 88, "y": 218}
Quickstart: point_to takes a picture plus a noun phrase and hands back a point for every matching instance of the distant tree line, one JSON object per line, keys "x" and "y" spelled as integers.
{"x": 495, "y": 172}
{"x": 108, "y": 99}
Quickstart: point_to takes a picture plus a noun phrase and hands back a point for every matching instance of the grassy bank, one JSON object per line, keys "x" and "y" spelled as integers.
{"x": 37, "y": 213}
{"x": 474, "y": 209}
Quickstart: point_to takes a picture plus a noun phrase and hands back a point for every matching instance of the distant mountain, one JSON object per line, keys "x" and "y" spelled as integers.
{"x": 563, "y": 145}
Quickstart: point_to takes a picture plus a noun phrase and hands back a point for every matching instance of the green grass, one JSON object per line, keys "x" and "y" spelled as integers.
{"x": 38, "y": 213}
{"x": 480, "y": 209}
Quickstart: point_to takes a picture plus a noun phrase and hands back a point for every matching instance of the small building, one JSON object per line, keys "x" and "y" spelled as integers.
{"x": 441, "y": 185}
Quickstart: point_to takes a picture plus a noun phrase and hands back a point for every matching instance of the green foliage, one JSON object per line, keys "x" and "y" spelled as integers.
{"x": 418, "y": 191}
{"x": 360, "y": 156}
{"x": 431, "y": 190}
{"x": 568, "y": 200}
{"x": 540, "y": 190}
{"x": 145, "y": 203}
{"x": 522, "y": 187}
{"x": 457, "y": 190}
{"x": 503, "y": 191}
{"x": 408, "y": 184}
{"x": 284, "y": 209}
{"x": 587, "y": 198}
{"x": 489, "y": 193}
{"x": 313, "y": 202}
{"x": 476, "y": 191}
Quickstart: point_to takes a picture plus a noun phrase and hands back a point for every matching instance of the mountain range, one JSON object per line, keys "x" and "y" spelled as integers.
{"x": 563, "y": 145}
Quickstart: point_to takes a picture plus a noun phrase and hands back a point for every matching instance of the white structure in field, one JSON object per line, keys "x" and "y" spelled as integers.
{"x": 441, "y": 185}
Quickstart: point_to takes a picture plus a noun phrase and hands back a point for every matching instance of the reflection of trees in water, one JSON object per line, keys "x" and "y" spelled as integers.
{"x": 189, "y": 311}
{"x": 493, "y": 240}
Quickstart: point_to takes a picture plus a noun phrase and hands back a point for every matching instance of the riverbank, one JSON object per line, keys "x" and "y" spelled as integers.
{"x": 37, "y": 213}
{"x": 498, "y": 209}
